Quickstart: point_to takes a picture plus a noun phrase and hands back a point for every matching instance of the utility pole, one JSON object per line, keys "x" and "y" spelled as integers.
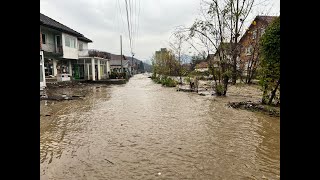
{"x": 121, "y": 53}
{"x": 132, "y": 63}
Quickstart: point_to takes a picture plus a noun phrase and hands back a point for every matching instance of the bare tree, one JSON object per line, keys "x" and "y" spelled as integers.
{"x": 222, "y": 21}
{"x": 177, "y": 48}
{"x": 213, "y": 27}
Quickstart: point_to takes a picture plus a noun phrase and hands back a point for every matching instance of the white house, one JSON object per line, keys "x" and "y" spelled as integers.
{"x": 60, "y": 45}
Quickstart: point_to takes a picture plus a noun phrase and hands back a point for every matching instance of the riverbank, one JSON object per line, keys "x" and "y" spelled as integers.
{"x": 71, "y": 90}
{"x": 256, "y": 107}
{"x": 239, "y": 96}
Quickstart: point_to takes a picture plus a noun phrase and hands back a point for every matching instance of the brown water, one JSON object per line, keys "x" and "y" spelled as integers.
{"x": 141, "y": 130}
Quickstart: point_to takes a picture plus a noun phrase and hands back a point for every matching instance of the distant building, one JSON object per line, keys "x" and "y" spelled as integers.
{"x": 202, "y": 67}
{"x": 214, "y": 59}
{"x": 115, "y": 64}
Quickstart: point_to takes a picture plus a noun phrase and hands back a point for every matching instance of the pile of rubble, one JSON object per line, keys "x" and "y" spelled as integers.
{"x": 255, "y": 107}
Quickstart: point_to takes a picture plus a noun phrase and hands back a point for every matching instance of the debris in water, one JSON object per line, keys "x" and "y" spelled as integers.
{"x": 109, "y": 161}
{"x": 159, "y": 173}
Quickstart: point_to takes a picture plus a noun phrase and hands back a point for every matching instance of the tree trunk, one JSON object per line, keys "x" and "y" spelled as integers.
{"x": 235, "y": 46}
{"x": 225, "y": 84}
{"x": 234, "y": 72}
{"x": 265, "y": 94}
{"x": 273, "y": 93}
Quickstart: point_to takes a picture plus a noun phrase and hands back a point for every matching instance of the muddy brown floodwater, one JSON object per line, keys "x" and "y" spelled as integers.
{"x": 141, "y": 130}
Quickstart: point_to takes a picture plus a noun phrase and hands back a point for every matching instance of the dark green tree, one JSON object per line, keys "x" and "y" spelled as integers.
{"x": 141, "y": 67}
{"x": 270, "y": 62}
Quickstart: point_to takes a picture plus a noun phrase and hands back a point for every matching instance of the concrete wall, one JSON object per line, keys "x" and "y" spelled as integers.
{"x": 84, "y": 52}
{"x": 68, "y": 52}
{"x": 43, "y": 82}
{"x": 84, "y": 44}
{"x": 108, "y": 67}
{"x": 202, "y": 69}
{"x": 50, "y": 42}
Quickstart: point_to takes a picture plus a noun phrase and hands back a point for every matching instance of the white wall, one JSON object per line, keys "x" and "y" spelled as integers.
{"x": 108, "y": 67}
{"x": 84, "y": 52}
{"x": 85, "y": 44}
{"x": 68, "y": 52}
{"x": 202, "y": 69}
{"x": 43, "y": 82}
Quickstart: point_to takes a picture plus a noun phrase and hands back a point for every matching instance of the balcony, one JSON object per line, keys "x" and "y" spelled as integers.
{"x": 53, "y": 49}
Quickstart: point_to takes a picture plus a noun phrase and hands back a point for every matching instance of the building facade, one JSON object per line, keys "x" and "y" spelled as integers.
{"x": 249, "y": 43}
{"x": 60, "y": 45}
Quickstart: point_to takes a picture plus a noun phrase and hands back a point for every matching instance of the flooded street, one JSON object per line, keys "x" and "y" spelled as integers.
{"x": 141, "y": 130}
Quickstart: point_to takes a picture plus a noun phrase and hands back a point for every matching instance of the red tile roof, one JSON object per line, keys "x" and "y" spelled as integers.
{"x": 202, "y": 65}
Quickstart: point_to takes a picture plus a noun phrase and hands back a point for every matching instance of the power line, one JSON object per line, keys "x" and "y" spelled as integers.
{"x": 138, "y": 21}
{"x": 132, "y": 22}
{"x": 121, "y": 16}
{"x": 136, "y": 24}
{"x": 130, "y": 40}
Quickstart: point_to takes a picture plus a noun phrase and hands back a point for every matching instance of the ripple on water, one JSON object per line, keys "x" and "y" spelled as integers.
{"x": 140, "y": 129}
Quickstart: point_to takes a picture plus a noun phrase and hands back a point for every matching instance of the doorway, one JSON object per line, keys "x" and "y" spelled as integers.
{"x": 58, "y": 44}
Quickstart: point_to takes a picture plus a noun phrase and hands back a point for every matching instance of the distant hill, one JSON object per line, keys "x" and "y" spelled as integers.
{"x": 147, "y": 67}
{"x": 186, "y": 58}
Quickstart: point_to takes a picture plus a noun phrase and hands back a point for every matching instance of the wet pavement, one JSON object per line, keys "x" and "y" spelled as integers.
{"x": 141, "y": 130}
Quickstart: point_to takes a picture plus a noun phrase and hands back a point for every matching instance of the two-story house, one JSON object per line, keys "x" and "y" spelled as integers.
{"x": 249, "y": 44}
{"x": 60, "y": 48}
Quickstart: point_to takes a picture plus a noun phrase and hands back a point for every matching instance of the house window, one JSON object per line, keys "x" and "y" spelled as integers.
{"x": 80, "y": 46}
{"x": 70, "y": 42}
{"x": 262, "y": 31}
{"x": 43, "y": 36}
{"x": 249, "y": 50}
{"x": 254, "y": 34}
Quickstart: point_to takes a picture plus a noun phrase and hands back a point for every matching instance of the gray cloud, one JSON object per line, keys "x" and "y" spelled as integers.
{"x": 101, "y": 21}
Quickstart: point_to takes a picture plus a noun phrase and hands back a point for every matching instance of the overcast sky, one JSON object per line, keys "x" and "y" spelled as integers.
{"x": 103, "y": 21}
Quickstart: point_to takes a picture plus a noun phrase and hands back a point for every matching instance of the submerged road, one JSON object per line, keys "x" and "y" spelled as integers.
{"x": 141, "y": 130}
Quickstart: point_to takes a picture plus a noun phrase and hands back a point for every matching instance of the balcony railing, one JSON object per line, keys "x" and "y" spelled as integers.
{"x": 52, "y": 48}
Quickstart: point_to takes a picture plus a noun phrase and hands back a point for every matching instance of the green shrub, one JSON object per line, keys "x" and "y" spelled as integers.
{"x": 169, "y": 82}
{"x": 187, "y": 79}
{"x": 219, "y": 89}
